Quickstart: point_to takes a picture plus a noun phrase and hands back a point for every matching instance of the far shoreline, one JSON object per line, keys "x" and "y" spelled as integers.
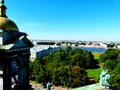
{"x": 92, "y": 49}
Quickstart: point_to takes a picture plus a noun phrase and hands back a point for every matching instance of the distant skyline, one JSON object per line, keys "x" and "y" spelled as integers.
{"x": 91, "y": 20}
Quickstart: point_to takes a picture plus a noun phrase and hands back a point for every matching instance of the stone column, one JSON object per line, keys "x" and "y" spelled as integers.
{"x": 23, "y": 71}
{"x": 7, "y": 75}
{"x": 27, "y": 71}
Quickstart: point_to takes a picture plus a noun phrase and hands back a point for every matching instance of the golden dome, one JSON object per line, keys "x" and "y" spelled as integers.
{"x": 7, "y": 24}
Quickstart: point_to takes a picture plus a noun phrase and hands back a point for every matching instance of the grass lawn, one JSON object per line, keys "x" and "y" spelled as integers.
{"x": 95, "y": 73}
{"x": 96, "y": 55}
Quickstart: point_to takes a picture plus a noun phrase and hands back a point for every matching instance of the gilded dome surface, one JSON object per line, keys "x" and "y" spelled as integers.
{"x": 7, "y": 24}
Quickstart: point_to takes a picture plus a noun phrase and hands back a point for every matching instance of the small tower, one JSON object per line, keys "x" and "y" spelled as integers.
{"x": 14, "y": 47}
{"x": 3, "y": 9}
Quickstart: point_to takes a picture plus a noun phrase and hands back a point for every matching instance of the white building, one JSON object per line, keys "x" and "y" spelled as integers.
{"x": 39, "y": 51}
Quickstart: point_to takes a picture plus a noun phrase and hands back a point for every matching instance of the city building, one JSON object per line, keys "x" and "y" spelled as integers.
{"x": 41, "y": 50}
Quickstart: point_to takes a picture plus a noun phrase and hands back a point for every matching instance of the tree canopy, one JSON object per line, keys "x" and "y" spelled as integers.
{"x": 64, "y": 67}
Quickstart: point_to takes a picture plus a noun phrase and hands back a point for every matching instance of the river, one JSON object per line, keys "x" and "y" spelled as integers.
{"x": 92, "y": 49}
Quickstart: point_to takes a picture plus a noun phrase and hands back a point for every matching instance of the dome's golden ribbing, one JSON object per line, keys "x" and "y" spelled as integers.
{"x": 7, "y": 24}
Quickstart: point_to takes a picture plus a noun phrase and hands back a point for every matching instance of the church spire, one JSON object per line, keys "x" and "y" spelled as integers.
{"x": 2, "y": 9}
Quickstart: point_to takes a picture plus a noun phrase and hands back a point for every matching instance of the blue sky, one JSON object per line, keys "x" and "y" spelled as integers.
{"x": 67, "y": 19}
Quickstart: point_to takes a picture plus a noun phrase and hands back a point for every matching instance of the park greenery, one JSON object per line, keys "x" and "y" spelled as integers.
{"x": 95, "y": 73}
{"x": 73, "y": 68}
{"x": 110, "y": 60}
{"x": 64, "y": 68}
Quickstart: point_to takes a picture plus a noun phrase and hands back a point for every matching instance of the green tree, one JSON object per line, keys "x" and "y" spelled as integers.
{"x": 64, "y": 67}
{"x": 117, "y": 67}
{"x": 110, "y": 64}
{"x": 115, "y": 79}
{"x": 77, "y": 60}
{"x": 110, "y": 54}
{"x": 89, "y": 59}
{"x": 79, "y": 77}
{"x": 110, "y": 45}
